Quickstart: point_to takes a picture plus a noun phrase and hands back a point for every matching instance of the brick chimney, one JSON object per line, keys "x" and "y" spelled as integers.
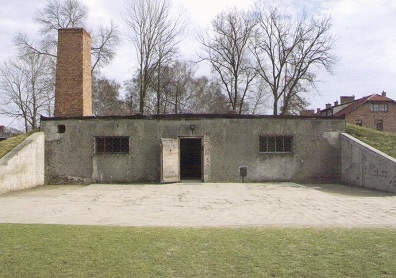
{"x": 383, "y": 93}
{"x": 328, "y": 105}
{"x": 345, "y": 99}
{"x": 73, "y": 91}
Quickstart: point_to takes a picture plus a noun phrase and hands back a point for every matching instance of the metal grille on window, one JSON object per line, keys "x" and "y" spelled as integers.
{"x": 276, "y": 144}
{"x": 112, "y": 144}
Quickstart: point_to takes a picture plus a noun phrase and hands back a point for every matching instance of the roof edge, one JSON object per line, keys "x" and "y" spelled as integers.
{"x": 190, "y": 116}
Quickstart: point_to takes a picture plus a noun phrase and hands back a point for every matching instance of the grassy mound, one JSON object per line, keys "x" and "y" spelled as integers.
{"x": 7, "y": 145}
{"x": 383, "y": 141}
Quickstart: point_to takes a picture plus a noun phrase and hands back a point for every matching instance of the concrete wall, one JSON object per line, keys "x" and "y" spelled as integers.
{"x": 230, "y": 143}
{"x": 365, "y": 166}
{"x": 23, "y": 167}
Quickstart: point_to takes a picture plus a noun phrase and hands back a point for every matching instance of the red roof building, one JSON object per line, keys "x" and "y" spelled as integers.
{"x": 376, "y": 111}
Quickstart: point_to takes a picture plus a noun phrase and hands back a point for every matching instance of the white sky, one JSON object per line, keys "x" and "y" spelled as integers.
{"x": 364, "y": 29}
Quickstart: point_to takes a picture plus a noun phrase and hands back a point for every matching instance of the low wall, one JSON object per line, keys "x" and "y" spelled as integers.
{"x": 365, "y": 166}
{"x": 23, "y": 167}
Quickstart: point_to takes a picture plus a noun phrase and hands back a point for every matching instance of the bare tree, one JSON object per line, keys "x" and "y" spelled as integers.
{"x": 155, "y": 35}
{"x": 104, "y": 43}
{"x": 226, "y": 48}
{"x": 176, "y": 80}
{"x": 26, "y": 89}
{"x": 106, "y": 94}
{"x": 58, "y": 14}
{"x": 61, "y": 14}
{"x": 206, "y": 97}
{"x": 131, "y": 100}
{"x": 287, "y": 52}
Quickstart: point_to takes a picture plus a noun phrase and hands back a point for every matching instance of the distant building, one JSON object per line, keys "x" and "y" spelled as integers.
{"x": 375, "y": 111}
{"x": 7, "y": 132}
{"x": 3, "y": 134}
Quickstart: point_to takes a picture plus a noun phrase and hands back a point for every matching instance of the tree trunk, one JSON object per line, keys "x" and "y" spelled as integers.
{"x": 275, "y": 107}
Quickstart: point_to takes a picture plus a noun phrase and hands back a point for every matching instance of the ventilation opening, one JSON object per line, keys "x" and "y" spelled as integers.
{"x": 61, "y": 128}
{"x": 190, "y": 158}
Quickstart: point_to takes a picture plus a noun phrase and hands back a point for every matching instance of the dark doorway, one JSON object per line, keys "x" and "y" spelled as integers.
{"x": 190, "y": 158}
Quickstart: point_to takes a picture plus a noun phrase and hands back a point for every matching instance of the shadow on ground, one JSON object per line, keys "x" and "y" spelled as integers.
{"x": 348, "y": 190}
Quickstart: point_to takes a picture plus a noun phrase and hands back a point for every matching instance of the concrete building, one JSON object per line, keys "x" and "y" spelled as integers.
{"x": 167, "y": 148}
{"x": 207, "y": 147}
{"x": 376, "y": 111}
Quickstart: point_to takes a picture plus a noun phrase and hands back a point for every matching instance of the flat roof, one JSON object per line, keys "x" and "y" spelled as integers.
{"x": 191, "y": 116}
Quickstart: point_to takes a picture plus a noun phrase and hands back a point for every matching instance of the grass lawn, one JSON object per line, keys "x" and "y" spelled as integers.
{"x": 93, "y": 251}
{"x": 10, "y": 143}
{"x": 383, "y": 141}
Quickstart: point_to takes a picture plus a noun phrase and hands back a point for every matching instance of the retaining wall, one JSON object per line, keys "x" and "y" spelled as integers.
{"x": 23, "y": 167}
{"x": 365, "y": 166}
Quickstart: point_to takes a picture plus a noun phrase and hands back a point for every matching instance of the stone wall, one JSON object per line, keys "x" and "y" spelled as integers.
{"x": 23, "y": 167}
{"x": 73, "y": 93}
{"x": 230, "y": 143}
{"x": 365, "y": 166}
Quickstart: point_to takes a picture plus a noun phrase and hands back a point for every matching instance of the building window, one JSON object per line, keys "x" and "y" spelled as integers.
{"x": 379, "y": 125}
{"x": 359, "y": 122}
{"x": 379, "y": 107}
{"x": 276, "y": 144}
{"x": 112, "y": 144}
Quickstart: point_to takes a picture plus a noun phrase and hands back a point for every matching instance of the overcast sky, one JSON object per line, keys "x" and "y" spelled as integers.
{"x": 364, "y": 30}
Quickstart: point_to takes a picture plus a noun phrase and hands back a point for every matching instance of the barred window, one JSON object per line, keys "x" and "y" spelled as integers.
{"x": 112, "y": 144}
{"x": 379, "y": 107}
{"x": 276, "y": 144}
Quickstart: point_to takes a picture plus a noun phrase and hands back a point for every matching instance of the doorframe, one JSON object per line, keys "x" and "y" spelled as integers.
{"x": 202, "y": 178}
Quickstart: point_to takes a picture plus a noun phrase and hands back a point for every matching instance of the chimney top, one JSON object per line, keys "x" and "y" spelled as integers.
{"x": 345, "y": 99}
{"x": 328, "y": 105}
{"x": 383, "y": 93}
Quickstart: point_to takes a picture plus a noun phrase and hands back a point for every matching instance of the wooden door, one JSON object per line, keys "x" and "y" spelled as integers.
{"x": 170, "y": 165}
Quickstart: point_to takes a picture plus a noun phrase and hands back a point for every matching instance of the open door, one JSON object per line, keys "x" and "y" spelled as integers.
{"x": 191, "y": 158}
{"x": 170, "y": 167}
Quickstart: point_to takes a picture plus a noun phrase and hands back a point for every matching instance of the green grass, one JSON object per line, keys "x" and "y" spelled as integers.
{"x": 383, "y": 141}
{"x": 7, "y": 145}
{"x": 93, "y": 251}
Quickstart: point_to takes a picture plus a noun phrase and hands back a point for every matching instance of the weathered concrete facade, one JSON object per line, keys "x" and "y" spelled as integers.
{"x": 365, "y": 166}
{"x": 228, "y": 142}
